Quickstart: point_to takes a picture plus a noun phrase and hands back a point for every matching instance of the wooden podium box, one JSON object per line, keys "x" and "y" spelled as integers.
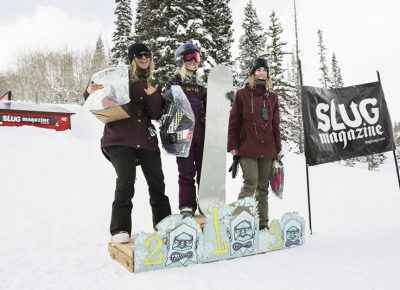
{"x": 125, "y": 253}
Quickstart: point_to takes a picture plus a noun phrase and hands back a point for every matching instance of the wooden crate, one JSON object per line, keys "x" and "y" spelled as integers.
{"x": 125, "y": 253}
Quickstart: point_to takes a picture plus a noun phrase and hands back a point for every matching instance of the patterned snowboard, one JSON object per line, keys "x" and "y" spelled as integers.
{"x": 212, "y": 183}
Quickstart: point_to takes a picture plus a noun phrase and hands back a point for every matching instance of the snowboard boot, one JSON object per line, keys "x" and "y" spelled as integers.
{"x": 187, "y": 212}
{"x": 264, "y": 226}
{"x": 120, "y": 238}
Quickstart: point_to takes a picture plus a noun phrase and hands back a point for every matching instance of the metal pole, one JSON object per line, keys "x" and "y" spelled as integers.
{"x": 308, "y": 199}
{"x": 307, "y": 175}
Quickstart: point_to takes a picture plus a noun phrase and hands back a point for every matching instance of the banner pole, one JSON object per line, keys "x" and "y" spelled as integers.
{"x": 394, "y": 150}
{"x": 308, "y": 198}
{"x": 307, "y": 176}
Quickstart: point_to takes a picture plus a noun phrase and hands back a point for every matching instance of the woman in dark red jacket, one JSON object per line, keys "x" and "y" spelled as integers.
{"x": 254, "y": 135}
{"x": 134, "y": 139}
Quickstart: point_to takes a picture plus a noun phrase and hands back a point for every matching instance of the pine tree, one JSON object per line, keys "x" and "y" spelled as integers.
{"x": 99, "y": 60}
{"x": 276, "y": 54}
{"x": 165, "y": 25}
{"x": 218, "y": 21}
{"x": 296, "y": 67}
{"x": 325, "y": 82}
{"x": 122, "y": 34}
{"x": 154, "y": 25}
{"x": 336, "y": 76}
{"x": 251, "y": 43}
{"x": 297, "y": 126}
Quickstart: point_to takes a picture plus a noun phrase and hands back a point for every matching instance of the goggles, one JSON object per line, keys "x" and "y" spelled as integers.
{"x": 141, "y": 55}
{"x": 191, "y": 55}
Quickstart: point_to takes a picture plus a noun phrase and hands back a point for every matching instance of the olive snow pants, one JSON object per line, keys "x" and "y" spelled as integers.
{"x": 256, "y": 175}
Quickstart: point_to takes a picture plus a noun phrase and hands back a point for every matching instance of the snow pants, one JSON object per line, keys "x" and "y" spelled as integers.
{"x": 189, "y": 168}
{"x": 256, "y": 175}
{"x": 124, "y": 161}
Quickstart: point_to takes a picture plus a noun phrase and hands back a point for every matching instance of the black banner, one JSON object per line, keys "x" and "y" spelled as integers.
{"x": 345, "y": 122}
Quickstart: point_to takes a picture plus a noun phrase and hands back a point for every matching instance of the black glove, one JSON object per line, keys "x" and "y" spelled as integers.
{"x": 229, "y": 95}
{"x": 168, "y": 97}
{"x": 235, "y": 165}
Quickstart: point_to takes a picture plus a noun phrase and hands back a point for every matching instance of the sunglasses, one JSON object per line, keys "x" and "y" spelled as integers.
{"x": 141, "y": 55}
{"x": 191, "y": 55}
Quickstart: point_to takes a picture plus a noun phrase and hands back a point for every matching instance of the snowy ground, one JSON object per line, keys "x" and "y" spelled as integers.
{"x": 56, "y": 191}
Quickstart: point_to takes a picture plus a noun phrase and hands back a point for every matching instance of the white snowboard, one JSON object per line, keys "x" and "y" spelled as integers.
{"x": 212, "y": 190}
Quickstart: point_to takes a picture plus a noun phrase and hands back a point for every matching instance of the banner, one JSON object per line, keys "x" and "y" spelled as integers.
{"x": 43, "y": 116}
{"x": 345, "y": 122}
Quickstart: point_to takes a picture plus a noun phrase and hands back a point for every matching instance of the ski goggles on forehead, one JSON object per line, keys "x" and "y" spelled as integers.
{"x": 141, "y": 55}
{"x": 191, "y": 55}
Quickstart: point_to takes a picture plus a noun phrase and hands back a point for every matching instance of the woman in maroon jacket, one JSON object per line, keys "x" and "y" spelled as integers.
{"x": 254, "y": 135}
{"x": 187, "y": 58}
{"x": 134, "y": 139}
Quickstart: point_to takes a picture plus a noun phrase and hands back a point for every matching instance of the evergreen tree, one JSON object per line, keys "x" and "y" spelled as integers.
{"x": 296, "y": 75}
{"x": 280, "y": 85}
{"x": 218, "y": 21}
{"x": 122, "y": 34}
{"x": 325, "y": 82}
{"x": 251, "y": 43}
{"x": 99, "y": 60}
{"x": 336, "y": 76}
{"x": 165, "y": 25}
{"x": 295, "y": 102}
{"x": 154, "y": 25}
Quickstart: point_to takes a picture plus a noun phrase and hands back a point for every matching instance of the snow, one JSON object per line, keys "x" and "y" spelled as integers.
{"x": 55, "y": 205}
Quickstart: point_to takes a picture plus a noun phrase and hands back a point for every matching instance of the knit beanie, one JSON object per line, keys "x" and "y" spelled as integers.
{"x": 136, "y": 48}
{"x": 259, "y": 62}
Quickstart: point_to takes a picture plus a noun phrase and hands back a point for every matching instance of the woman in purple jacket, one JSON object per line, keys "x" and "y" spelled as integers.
{"x": 187, "y": 58}
{"x": 254, "y": 135}
{"x": 126, "y": 142}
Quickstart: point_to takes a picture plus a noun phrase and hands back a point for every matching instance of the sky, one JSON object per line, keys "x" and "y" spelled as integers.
{"x": 55, "y": 211}
{"x": 363, "y": 34}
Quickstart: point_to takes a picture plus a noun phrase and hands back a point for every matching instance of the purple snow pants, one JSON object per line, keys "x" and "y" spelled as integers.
{"x": 189, "y": 168}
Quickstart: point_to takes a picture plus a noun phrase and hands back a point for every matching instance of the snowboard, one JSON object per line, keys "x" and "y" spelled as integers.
{"x": 212, "y": 189}
{"x": 177, "y": 125}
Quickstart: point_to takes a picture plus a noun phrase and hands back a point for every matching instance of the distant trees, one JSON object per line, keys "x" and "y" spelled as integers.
{"x": 54, "y": 76}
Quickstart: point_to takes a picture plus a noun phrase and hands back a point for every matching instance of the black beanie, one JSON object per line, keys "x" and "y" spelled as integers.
{"x": 259, "y": 62}
{"x": 136, "y": 48}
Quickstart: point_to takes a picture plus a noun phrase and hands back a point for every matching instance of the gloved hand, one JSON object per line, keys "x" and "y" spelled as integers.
{"x": 168, "y": 97}
{"x": 235, "y": 166}
{"x": 280, "y": 156}
{"x": 229, "y": 95}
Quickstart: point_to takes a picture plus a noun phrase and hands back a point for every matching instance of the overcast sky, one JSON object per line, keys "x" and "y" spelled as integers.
{"x": 363, "y": 34}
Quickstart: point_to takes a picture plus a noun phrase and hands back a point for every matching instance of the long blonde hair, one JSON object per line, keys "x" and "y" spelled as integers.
{"x": 186, "y": 75}
{"x": 253, "y": 80}
{"x": 149, "y": 73}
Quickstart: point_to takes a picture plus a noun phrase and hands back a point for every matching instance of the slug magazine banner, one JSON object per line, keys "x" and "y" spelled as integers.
{"x": 345, "y": 122}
